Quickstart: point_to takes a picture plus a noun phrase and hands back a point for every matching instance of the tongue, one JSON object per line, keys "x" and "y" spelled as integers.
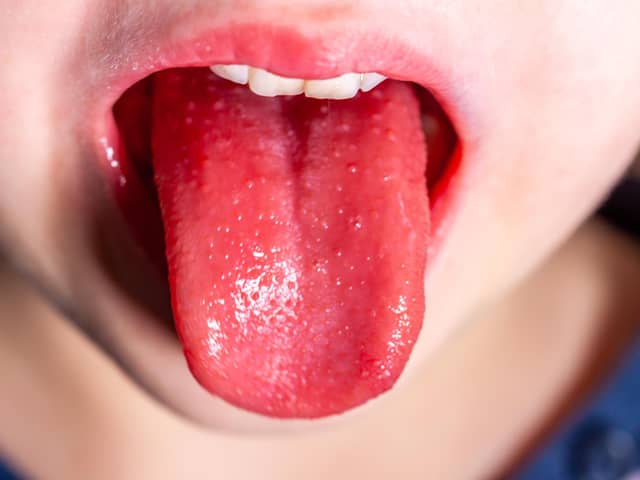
{"x": 296, "y": 233}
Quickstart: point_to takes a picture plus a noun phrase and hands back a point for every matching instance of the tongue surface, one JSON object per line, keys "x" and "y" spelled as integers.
{"x": 296, "y": 233}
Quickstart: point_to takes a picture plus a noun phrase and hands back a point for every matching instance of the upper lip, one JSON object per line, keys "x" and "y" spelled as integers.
{"x": 289, "y": 48}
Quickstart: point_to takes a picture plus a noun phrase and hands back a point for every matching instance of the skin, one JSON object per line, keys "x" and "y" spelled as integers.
{"x": 547, "y": 109}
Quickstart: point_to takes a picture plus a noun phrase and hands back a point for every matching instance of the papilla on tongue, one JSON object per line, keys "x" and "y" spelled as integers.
{"x": 296, "y": 232}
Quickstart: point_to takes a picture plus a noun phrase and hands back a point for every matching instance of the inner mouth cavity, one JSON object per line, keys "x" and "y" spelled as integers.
{"x": 295, "y": 228}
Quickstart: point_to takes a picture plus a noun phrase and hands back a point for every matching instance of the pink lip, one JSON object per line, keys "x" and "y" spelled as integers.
{"x": 287, "y": 51}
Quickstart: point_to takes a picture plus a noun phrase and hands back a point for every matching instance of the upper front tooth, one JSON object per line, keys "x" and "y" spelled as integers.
{"x": 235, "y": 73}
{"x": 342, "y": 87}
{"x": 268, "y": 84}
{"x": 371, "y": 81}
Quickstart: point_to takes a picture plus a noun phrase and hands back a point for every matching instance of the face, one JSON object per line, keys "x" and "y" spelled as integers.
{"x": 542, "y": 97}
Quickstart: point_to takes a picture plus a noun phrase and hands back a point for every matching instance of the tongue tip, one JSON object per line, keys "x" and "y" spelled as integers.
{"x": 306, "y": 402}
{"x": 289, "y": 384}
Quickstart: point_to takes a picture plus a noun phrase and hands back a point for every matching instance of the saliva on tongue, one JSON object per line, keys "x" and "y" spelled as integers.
{"x": 296, "y": 232}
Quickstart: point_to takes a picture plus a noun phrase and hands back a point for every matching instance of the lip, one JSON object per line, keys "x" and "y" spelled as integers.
{"x": 285, "y": 50}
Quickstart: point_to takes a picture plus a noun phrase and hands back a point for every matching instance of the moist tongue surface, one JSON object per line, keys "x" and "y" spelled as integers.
{"x": 296, "y": 233}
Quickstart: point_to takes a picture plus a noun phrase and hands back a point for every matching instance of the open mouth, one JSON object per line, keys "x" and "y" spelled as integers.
{"x": 292, "y": 214}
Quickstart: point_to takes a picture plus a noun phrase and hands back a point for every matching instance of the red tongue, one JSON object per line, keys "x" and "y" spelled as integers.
{"x": 296, "y": 234}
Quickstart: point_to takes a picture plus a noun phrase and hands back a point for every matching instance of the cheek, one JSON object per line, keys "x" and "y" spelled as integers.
{"x": 520, "y": 201}
{"x": 38, "y": 147}
{"x": 553, "y": 138}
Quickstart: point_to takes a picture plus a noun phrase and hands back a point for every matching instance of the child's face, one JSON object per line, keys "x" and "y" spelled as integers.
{"x": 543, "y": 95}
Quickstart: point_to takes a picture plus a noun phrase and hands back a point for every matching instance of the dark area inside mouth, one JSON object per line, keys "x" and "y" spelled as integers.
{"x": 133, "y": 117}
{"x": 132, "y": 113}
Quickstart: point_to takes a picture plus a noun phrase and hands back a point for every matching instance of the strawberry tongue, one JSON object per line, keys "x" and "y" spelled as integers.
{"x": 296, "y": 233}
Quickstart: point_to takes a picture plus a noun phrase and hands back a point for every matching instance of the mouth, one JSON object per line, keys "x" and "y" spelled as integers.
{"x": 289, "y": 189}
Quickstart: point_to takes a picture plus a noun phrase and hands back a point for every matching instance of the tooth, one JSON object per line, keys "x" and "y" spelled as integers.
{"x": 265, "y": 83}
{"x": 338, "y": 88}
{"x": 234, "y": 73}
{"x": 371, "y": 81}
{"x": 268, "y": 84}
